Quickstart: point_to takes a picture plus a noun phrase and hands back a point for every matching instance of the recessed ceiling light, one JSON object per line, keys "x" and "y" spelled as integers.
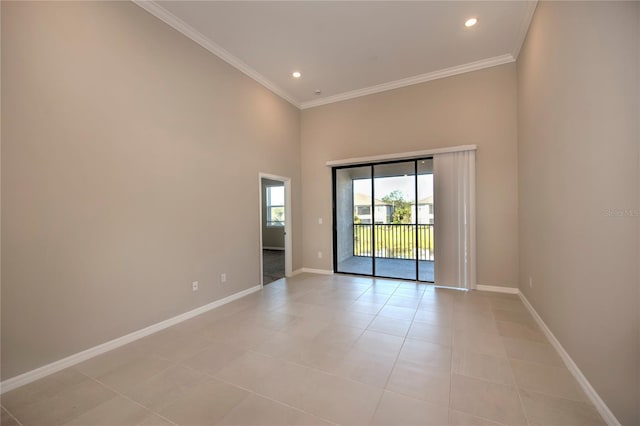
{"x": 470, "y": 22}
{"x": 318, "y": 91}
{"x": 296, "y": 74}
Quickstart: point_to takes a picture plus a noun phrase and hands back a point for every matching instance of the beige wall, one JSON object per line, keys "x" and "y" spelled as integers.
{"x": 117, "y": 133}
{"x": 578, "y": 158}
{"x": 475, "y": 108}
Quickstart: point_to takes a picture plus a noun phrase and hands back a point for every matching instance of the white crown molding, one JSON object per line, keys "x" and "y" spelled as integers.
{"x": 422, "y": 78}
{"x": 54, "y": 367}
{"x": 178, "y": 24}
{"x": 591, "y": 393}
{"x": 524, "y": 27}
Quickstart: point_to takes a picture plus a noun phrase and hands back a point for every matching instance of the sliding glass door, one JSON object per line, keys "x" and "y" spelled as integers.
{"x": 383, "y": 220}
{"x": 394, "y": 228}
{"x": 424, "y": 215}
{"x": 353, "y": 239}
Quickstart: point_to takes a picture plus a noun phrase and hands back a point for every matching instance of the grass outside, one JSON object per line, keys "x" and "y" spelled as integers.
{"x": 394, "y": 241}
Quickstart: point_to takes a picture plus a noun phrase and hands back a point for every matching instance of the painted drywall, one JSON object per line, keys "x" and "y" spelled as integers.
{"x": 272, "y": 236}
{"x": 130, "y": 157}
{"x": 474, "y": 108}
{"x": 578, "y": 150}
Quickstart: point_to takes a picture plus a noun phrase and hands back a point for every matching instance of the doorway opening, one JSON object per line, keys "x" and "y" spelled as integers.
{"x": 275, "y": 224}
{"x": 384, "y": 219}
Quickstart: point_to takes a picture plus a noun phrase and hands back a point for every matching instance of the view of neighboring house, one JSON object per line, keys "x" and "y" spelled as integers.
{"x": 362, "y": 210}
{"x": 425, "y": 210}
{"x": 384, "y": 210}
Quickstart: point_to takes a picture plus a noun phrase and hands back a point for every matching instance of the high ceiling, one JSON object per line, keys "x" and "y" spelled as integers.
{"x": 350, "y": 48}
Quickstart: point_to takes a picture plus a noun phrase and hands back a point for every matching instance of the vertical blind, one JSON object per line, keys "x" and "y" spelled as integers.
{"x": 454, "y": 213}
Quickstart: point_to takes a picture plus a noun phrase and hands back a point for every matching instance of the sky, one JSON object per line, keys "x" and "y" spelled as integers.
{"x": 275, "y": 195}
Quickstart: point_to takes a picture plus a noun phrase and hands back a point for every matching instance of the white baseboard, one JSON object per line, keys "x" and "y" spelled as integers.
{"x": 311, "y": 271}
{"x": 273, "y": 248}
{"x": 591, "y": 393}
{"x": 317, "y": 271}
{"x": 498, "y": 289}
{"x": 54, "y": 367}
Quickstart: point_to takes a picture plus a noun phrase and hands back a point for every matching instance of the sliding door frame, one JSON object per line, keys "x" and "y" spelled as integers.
{"x": 372, "y": 165}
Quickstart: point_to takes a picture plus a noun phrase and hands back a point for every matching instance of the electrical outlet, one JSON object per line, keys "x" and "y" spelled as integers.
{"x": 320, "y": 221}
{"x": 223, "y": 277}
{"x": 319, "y": 255}
{"x": 530, "y": 282}
{"x": 194, "y": 286}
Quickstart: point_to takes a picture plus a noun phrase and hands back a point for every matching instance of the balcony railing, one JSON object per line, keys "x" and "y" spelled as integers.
{"x": 394, "y": 241}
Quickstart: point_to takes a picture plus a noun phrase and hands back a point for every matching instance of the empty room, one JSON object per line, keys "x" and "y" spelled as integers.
{"x": 320, "y": 213}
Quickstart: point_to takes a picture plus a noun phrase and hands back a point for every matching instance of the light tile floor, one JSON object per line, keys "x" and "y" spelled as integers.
{"x": 324, "y": 350}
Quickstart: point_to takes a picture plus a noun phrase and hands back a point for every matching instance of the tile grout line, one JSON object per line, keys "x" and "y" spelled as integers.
{"x": 515, "y": 385}
{"x": 125, "y": 397}
{"x": 386, "y": 383}
{"x": 348, "y": 378}
{"x": 524, "y": 411}
{"x": 473, "y": 377}
{"x": 513, "y": 376}
{"x": 209, "y": 342}
{"x": 250, "y": 391}
{"x": 450, "y": 359}
{"x": 450, "y": 376}
{"x": 11, "y": 414}
{"x": 453, "y": 328}
{"x": 383, "y": 389}
{"x": 535, "y": 363}
{"x": 316, "y": 369}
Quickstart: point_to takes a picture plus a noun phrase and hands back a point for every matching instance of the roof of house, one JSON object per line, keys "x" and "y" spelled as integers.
{"x": 365, "y": 200}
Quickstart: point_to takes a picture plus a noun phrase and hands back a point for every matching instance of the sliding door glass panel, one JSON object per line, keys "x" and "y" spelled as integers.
{"x": 425, "y": 226}
{"x": 353, "y": 220}
{"x": 394, "y": 229}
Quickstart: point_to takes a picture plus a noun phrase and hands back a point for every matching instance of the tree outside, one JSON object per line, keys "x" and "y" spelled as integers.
{"x": 401, "y": 207}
